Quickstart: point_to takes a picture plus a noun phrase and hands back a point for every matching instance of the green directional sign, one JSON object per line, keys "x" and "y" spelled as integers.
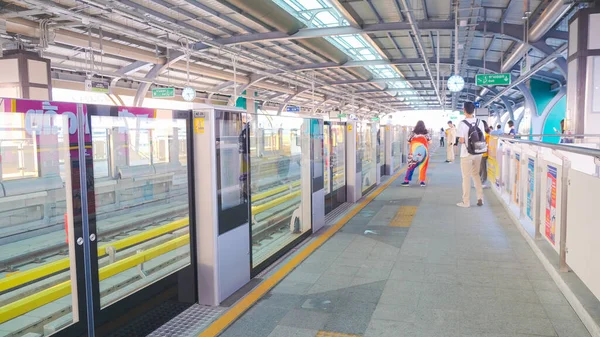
{"x": 375, "y": 119}
{"x": 342, "y": 115}
{"x": 486, "y": 80}
{"x": 163, "y": 92}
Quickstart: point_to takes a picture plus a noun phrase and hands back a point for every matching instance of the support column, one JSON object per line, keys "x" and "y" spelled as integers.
{"x": 583, "y": 83}
{"x": 353, "y": 166}
{"x": 25, "y": 75}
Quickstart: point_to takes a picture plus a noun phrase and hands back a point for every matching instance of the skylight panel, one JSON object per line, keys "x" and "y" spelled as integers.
{"x": 327, "y": 19}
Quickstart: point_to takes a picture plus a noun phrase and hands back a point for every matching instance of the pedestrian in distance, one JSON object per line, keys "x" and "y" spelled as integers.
{"x": 451, "y": 136}
{"x": 418, "y": 156}
{"x": 483, "y": 172}
{"x": 442, "y": 132}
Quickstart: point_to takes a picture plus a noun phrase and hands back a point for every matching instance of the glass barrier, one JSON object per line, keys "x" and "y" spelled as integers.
{"x": 397, "y": 147}
{"x": 36, "y": 261}
{"x": 276, "y": 192}
{"x": 552, "y": 190}
{"x": 335, "y": 165}
{"x": 367, "y": 154}
{"x": 137, "y": 210}
{"x": 146, "y": 208}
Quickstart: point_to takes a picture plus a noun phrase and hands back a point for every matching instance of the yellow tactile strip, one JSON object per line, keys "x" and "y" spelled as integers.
{"x": 334, "y": 334}
{"x": 404, "y": 216}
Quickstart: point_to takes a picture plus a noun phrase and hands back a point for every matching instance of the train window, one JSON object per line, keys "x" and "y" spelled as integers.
{"x": 139, "y": 147}
{"x": 18, "y": 148}
{"x": 161, "y": 139}
{"x": 100, "y": 149}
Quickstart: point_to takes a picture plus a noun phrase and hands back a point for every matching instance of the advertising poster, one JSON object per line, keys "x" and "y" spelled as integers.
{"x": 551, "y": 203}
{"x": 516, "y": 189}
{"x": 530, "y": 186}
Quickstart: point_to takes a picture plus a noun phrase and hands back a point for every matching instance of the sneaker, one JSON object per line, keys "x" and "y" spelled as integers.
{"x": 480, "y": 202}
{"x": 463, "y": 205}
{"x": 406, "y": 183}
{"x": 423, "y": 184}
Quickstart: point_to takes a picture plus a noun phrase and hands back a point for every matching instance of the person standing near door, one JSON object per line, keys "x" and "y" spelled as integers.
{"x": 450, "y": 136}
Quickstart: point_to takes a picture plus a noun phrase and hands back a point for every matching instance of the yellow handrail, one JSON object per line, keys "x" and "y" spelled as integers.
{"x": 271, "y": 192}
{"x": 29, "y": 303}
{"x": 18, "y": 279}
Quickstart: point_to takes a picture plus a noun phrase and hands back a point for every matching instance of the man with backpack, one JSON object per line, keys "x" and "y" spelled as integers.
{"x": 472, "y": 147}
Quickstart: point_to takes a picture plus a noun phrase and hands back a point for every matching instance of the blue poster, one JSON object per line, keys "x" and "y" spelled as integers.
{"x": 530, "y": 186}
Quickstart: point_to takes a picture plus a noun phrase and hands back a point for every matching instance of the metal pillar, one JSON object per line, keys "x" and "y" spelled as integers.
{"x": 583, "y": 101}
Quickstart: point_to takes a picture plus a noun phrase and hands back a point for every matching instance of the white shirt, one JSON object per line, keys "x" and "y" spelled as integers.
{"x": 463, "y": 132}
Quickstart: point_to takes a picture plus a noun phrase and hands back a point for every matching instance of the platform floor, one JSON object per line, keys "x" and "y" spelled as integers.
{"x": 412, "y": 263}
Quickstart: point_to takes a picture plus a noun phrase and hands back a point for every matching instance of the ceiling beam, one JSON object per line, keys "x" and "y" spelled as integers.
{"x": 512, "y": 31}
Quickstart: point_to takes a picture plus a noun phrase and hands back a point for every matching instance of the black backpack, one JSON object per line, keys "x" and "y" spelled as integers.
{"x": 475, "y": 141}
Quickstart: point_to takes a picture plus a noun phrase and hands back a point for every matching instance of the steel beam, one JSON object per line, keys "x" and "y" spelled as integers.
{"x": 289, "y": 99}
{"x": 151, "y": 75}
{"x": 512, "y": 31}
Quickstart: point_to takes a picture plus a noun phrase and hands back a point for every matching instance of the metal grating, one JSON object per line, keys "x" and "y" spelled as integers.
{"x": 189, "y": 323}
{"x": 337, "y": 213}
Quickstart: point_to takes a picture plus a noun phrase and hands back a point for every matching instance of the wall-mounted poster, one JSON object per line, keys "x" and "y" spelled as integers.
{"x": 530, "y": 186}
{"x": 551, "y": 203}
{"x": 516, "y": 189}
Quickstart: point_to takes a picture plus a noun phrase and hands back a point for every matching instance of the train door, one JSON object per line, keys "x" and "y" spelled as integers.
{"x": 335, "y": 165}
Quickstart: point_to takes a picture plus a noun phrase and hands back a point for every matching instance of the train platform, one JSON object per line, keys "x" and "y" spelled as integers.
{"x": 409, "y": 262}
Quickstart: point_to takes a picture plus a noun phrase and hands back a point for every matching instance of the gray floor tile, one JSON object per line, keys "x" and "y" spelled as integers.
{"x": 305, "y": 319}
{"x": 291, "y": 287}
{"x": 570, "y": 329}
{"x": 551, "y": 297}
{"x": 288, "y": 331}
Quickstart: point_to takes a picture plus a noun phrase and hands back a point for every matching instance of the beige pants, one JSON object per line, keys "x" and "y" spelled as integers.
{"x": 470, "y": 167}
{"x": 450, "y": 152}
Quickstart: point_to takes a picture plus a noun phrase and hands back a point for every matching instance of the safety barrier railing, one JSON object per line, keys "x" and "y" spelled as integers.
{"x": 31, "y": 275}
{"x": 31, "y": 302}
{"x": 552, "y": 189}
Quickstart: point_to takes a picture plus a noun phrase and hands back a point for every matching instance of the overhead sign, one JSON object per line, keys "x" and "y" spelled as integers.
{"x": 375, "y": 119}
{"x": 493, "y": 79}
{"x": 163, "y": 92}
{"x": 292, "y": 108}
{"x": 97, "y": 86}
{"x": 477, "y": 104}
{"x": 342, "y": 115}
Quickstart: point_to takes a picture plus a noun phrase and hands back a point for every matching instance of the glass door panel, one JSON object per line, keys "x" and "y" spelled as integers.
{"x": 141, "y": 207}
{"x": 338, "y": 165}
{"x": 41, "y": 278}
{"x": 277, "y": 221}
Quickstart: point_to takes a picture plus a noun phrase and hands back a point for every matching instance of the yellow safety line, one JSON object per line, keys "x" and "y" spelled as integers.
{"x": 404, "y": 216}
{"x": 27, "y": 276}
{"x": 29, "y": 303}
{"x": 253, "y": 296}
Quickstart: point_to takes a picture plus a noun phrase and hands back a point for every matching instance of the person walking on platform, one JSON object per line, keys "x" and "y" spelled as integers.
{"x": 483, "y": 172}
{"x": 418, "y": 157}
{"x": 450, "y": 136}
{"x": 471, "y": 137}
{"x": 442, "y": 134}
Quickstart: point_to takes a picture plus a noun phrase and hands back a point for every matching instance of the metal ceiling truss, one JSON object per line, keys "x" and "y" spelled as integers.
{"x": 257, "y": 48}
